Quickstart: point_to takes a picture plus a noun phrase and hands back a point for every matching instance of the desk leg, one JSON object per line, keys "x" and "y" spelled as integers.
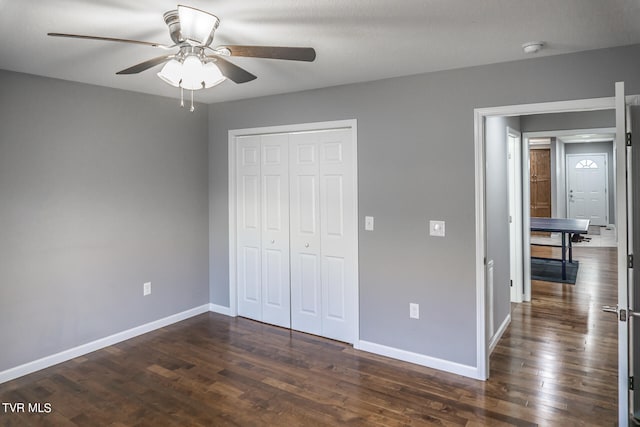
{"x": 564, "y": 255}
{"x": 570, "y": 248}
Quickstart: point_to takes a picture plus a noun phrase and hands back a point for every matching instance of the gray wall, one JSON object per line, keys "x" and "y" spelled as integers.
{"x": 497, "y": 213}
{"x": 569, "y": 121}
{"x": 415, "y": 163}
{"x": 101, "y": 190}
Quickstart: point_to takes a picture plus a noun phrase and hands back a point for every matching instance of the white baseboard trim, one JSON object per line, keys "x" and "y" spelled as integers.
{"x": 98, "y": 344}
{"x": 220, "y": 309}
{"x": 496, "y": 337}
{"x": 418, "y": 359}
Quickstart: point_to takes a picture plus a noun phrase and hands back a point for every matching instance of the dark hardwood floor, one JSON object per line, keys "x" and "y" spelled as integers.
{"x": 559, "y": 356}
{"x": 556, "y": 365}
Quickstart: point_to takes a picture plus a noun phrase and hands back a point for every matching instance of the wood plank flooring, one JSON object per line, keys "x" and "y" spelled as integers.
{"x": 556, "y": 365}
{"x": 559, "y": 356}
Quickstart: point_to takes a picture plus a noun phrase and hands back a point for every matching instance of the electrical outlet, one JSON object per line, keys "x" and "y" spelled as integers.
{"x": 146, "y": 289}
{"x": 414, "y": 310}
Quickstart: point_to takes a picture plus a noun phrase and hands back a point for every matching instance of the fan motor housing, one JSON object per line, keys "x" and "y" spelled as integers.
{"x": 172, "y": 19}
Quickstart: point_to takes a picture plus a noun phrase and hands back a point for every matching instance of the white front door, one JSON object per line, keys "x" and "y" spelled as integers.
{"x": 587, "y": 187}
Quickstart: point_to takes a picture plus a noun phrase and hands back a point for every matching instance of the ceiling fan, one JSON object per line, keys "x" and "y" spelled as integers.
{"x": 197, "y": 65}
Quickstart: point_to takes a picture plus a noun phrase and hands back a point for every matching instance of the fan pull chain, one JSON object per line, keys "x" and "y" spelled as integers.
{"x": 181, "y": 97}
{"x": 192, "y": 109}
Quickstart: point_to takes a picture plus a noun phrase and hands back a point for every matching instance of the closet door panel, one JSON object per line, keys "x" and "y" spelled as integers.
{"x": 272, "y": 279}
{"x": 337, "y": 227}
{"x": 248, "y": 231}
{"x": 309, "y": 284}
{"x": 334, "y": 209}
{"x": 335, "y": 288}
{"x": 306, "y": 297}
{"x": 249, "y": 276}
{"x": 275, "y": 229}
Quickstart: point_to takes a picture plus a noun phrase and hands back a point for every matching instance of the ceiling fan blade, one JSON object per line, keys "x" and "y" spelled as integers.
{"x": 232, "y": 71}
{"x": 108, "y": 39}
{"x": 273, "y": 52}
{"x": 146, "y": 65}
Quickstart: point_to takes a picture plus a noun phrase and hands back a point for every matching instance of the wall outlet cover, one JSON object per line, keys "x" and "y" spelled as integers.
{"x": 414, "y": 310}
{"x": 436, "y": 228}
{"x": 368, "y": 223}
{"x": 146, "y": 289}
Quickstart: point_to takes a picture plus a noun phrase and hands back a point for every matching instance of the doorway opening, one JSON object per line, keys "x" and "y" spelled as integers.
{"x": 483, "y": 220}
{"x": 552, "y": 332}
{"x": 563, "y": 144}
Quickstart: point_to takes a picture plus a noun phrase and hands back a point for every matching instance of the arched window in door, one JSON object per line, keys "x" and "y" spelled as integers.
{"x": 586, "y": 164}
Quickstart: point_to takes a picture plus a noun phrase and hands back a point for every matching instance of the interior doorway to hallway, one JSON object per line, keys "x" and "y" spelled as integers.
{"x": 483, "y": 220}
{"x": 626, "y": 112}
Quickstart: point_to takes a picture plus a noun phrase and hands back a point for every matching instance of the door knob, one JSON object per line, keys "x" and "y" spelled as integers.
{"x": 306, "y": 245}
{"x": 273, "y": 241}
{"x": 623, "y": 314}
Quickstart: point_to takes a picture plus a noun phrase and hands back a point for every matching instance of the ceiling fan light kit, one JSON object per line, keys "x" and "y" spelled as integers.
{"x": 212, "y": 76}
{"x": 171, "y": 73}
{"x": 192, "y": 70}
{"x": 192, "y": 75}
{"x": 192, "y": 31}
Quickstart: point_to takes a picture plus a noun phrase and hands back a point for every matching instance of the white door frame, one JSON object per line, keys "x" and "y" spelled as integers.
{"x": 624, "y": 211}
{"x": 515, "y": 207}
{"x": 302, "y": 127}
{"x": 480, "y": 114}
{"x": 606, "y": 179}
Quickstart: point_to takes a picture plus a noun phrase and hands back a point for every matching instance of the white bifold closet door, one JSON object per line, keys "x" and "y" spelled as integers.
{"x": 262, "y": 196}
{"x": 322, "y": 221}
{"x": 296, "y": 231}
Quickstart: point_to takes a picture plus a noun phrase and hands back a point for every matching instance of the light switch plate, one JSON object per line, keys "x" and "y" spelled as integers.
{"x": 414, "y": 310}
{"x": 368, "y": 223}
{"x": 436, "y": 228}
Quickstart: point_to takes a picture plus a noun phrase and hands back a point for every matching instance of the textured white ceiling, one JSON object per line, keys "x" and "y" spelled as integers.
{"x": 355, "y": 40}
